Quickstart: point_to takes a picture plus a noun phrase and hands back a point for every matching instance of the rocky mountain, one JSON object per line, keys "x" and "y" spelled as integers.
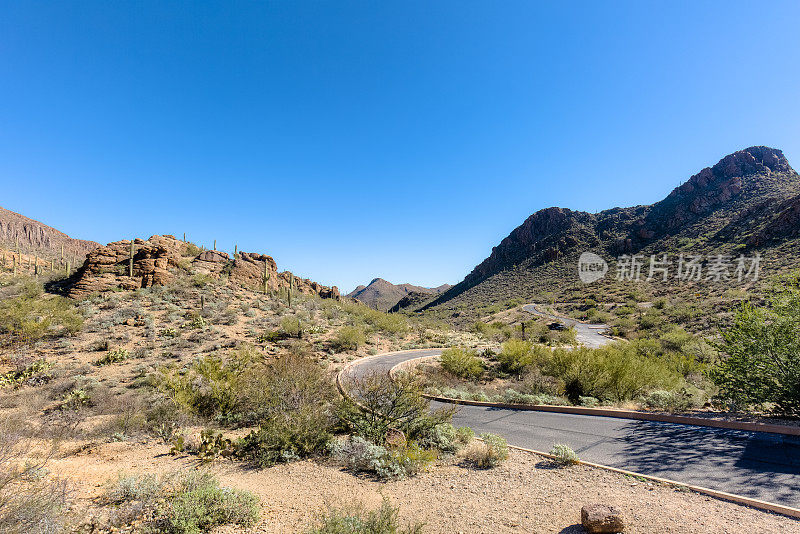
{"x": 383, "y": 295}
{"x": 747, "y": 203}
{"x": 158, "y": 260}
{"x": 29, "y": 237}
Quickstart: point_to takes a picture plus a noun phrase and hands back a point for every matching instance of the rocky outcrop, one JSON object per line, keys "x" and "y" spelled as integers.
{"x": 709, "y": 189}
{"x": 108, "y": 267}
{"x": 784, "y": 225}
{"x": 157, "y": 259}
{"x": 35, "y": 238}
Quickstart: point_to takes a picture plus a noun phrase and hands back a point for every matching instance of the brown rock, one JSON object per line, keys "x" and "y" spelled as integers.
{"x": 601, "y": 518}
{"x": 156, "y": 259}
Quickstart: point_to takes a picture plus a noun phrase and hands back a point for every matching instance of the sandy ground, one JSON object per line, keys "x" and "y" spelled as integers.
{"x": 525, "y": 494}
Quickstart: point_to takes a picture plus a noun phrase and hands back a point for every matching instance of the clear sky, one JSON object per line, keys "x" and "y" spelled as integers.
{"x": 351, "y": 140}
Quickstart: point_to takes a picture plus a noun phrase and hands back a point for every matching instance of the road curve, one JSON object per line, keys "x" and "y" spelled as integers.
{"x": 586, "y": 334}
{"x": 752, "y": 464}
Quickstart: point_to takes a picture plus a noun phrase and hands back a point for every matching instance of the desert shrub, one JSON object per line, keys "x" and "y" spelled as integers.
{"x": 384, "y": 404}
{"x": 113, "y": 356}
{"x": 447, "y": 439}
{"x": 516, "y": 355}
{"x": 201, "y": 280}
{"x": 356, "y": 520}
{"x": 760, "y": 364}
{"x": 489, "y": 452}
{"x": 205, "y": 505}
{"x": 462, "y": 363}
{"x": 568, "y": 336}
{"x": 588, "y": 402}
{"x": 32, "y": 316}
{"x": 394, "y": 462}
{"x": 349, "y": 338}
{"x": 563, "y": 454}
{"x": 31, "y": 501}
{"x": 359, "y": 454}
{"x": 33, "y": 373}
{"x": 292, "y": 399}
{"x": 179, "y": 503}
{"x": 290, "y": 325}
{"x": 616, "y": 371}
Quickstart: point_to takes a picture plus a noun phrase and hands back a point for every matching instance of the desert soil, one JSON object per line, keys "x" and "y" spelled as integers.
{"x": 525, "y": 494}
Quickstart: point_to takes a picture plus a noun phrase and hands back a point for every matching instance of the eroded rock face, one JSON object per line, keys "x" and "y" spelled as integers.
{"x": 156, "y": 259}
{"x": 601, "y": 518}
{"x": 711, "y": 188}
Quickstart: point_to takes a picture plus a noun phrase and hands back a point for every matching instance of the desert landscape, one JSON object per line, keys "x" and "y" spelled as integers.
{"x": 395, "y": 268}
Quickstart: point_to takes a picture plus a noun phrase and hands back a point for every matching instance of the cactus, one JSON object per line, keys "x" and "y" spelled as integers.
{"x": 235, "y": 250}
{"x": 215, "y": 244}
{"x": 69, "y": 268}
{"x": 184, "y": 237}
{"x": 289, "y": 290}
{"x": 130, "y": 261}
{"x": 14, "y": 262}
{"x": 266, "y": 277}
{"x": 202, "y": 302}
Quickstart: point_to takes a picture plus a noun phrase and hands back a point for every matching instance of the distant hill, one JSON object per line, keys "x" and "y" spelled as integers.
{"x": 747, "y": 203}
{"x": 33, "y": 238}
{"x": 382, "y": 295}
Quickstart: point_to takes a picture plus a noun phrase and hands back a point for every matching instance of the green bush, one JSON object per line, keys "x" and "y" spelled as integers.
{"x": 462, "y": 363}
{"x": 292, "y": 400}
{"x": 349, "y": 338}
{"x": 204, "y": 505}
{"x": 191, "y": 502}
{"x": 563, "y": 454}
{"x": 355, "y": 520}
{"x": 516, "y": 355}
{"x": 291, "y": 326}
{"x": 760, "y": 364}
{"x": 32, "y": 316}
{"x": 113, "y": 356}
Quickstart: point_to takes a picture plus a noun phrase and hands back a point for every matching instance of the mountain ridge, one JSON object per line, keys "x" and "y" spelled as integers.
{"x": 748, "y": 199}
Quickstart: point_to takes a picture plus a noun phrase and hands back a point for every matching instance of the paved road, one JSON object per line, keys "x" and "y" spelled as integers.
{"x": 586, "y": 334}
{"x": 757, "y": 465}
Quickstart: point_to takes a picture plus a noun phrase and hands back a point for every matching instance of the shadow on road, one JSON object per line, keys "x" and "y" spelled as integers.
{"x": 764, "y": 466}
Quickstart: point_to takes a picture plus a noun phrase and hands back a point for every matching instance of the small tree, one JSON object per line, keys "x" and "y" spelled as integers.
{"x": 380, "y": 403}
{"x": 761, "y": 354}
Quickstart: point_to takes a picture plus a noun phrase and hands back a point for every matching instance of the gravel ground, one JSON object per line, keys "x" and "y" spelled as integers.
{"x": 525, "y": 494}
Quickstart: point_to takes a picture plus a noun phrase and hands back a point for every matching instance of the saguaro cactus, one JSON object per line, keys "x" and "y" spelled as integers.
{"x": 14, "y": 262}
{"x": 266, "y": 277}
{"x": 235, "y": 251}
{"x": 130, "y": 261}
{"x": 215, "y": 244}
{"x": 289, "y": 290}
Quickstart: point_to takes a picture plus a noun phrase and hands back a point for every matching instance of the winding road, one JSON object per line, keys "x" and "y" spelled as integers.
{"x": 586, "y": 334}
{"x": 752, "y": 464}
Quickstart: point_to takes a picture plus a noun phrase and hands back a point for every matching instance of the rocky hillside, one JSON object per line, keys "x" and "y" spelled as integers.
{"x": 382, "y": 295}
{"x": 157, "y": 260}
{"x": 748, "y": 203}
{"x": 32, "y": 238}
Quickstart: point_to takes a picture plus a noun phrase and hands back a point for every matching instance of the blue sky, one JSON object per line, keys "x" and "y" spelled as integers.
{"x": 358, "y": 139}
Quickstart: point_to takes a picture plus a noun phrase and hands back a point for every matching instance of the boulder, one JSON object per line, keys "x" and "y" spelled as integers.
{"x": 601, "y": 518}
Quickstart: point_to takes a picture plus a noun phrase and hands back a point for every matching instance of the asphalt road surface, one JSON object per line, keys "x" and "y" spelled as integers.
{"x": 753, "y": 464}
